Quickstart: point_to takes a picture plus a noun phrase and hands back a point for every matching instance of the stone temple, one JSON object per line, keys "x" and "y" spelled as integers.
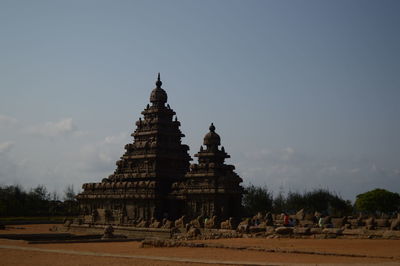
{"x": 154, "y": 178}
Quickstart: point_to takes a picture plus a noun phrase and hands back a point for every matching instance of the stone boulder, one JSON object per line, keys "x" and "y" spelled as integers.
{"x": 78, "y": 221}
{"x": 193, "y": 232}
{"x": 338, "y": 222}
{"x": 302, "y": 230}
{"x": 269, "y": 220}
{"x": 300, "y": 215}
{"x": 315, "y": 231}
{"x": 390, "y": 234}
{"x": 326, "y": 221}
{"x": 382, "y": 223}
{"x": 332, "y": 231}
{"x": 284, "y": 230}
{"x": 108, "y": 232}
{"x": 395, "y": 224}
{"x": 306, "y": 223}
{"x": 67, "y": 222}
{"x": 370, "y": 223}
{"x": 263, "y": 225}
{"x": 310, "y": 217}
{"x": 258, "y": 218}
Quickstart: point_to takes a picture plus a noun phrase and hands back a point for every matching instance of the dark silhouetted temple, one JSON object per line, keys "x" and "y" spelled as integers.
{"x": 154, "y": 178}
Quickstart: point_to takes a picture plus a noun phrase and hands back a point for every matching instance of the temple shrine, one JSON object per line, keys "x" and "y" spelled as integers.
{"x": 154, "y": 179}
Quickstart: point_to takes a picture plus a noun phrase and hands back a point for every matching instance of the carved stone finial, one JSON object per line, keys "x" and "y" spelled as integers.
{"x": 158, "y": 82}
{"x": 158, "y": 96}
{"x": 212, "y": 127}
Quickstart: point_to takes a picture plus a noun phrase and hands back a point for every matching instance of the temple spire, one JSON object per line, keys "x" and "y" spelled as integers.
{"x": 158, "y": 82}
{"x": 212, "y": 127}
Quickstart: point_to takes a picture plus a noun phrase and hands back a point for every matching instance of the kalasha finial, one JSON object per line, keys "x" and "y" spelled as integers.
{"x": 158, "y": 83}
{"x": 212, "y": 127}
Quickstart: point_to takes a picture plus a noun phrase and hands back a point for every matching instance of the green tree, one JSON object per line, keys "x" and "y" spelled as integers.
{"x": 69, "y": 193}
{"x": 279, "y": 203}
{"x": 320, "y": 200}
{"x": 13, "y": 201}
{"x": 41, "y": 193}
{"x": 70, "y": 201}
{"x": 257, "y": 199}
{"x": 38, "y": 201}
{"x": 378, "y": 200}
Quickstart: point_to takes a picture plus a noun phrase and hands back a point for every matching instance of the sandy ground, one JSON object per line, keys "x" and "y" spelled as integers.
{"x": 18, "y": 252}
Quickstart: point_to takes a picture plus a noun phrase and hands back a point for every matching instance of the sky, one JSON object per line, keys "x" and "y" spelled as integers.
{"x": 304, "y": 94}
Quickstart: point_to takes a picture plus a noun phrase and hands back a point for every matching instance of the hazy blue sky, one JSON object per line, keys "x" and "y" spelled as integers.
{"x": 305, "y": 94}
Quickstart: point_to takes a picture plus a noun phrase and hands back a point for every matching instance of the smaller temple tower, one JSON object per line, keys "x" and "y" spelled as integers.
{"x": 211, "y": 187}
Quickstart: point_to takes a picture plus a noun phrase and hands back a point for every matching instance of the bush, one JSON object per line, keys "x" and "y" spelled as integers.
{"x": 378, "y": 200}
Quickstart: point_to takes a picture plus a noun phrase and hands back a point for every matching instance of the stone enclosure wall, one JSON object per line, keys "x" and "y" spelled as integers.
{"x": 270, "y": 225}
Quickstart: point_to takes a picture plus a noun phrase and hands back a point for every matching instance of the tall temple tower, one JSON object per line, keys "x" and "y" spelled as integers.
{"x": 139, "y": 187}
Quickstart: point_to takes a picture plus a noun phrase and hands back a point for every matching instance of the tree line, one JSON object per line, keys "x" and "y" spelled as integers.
{"x": 36, "y": 202}
{"x": 378, "y": 201}
{"x": 15, "y": 201}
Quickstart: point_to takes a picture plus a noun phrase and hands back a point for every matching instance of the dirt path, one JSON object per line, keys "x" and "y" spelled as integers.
{"x": 113, "y": 255}
{"x": 18, "y": 252}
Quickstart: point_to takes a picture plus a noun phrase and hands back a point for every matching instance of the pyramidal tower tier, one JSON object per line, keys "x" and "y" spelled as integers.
{"x": 157, "y": 152}
{"x": 139, "y": 187}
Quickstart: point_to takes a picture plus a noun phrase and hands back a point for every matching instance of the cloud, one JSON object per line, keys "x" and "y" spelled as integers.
{"x": 84, "y": 160}
{"x": 354, "y": 170}
{"x": 116, "y": 139}
{"x": 7, "y": 121}
{"x": 287, "y": 153}
{"x": 287, "y": 169}
{"x": 284, "y": 155}
{"x": 8, "y": 165}
{"x": 100, "y": 157}
{"x": 63, "y": 127}
{"x": 6, "y": 146}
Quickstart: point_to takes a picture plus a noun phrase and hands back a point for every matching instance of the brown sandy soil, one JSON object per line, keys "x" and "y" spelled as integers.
{"x": 369, "y": 247}
{"x": 29, "y": 229}
{"x": 18, "y": 257}
{"x": 388, "y": 248}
